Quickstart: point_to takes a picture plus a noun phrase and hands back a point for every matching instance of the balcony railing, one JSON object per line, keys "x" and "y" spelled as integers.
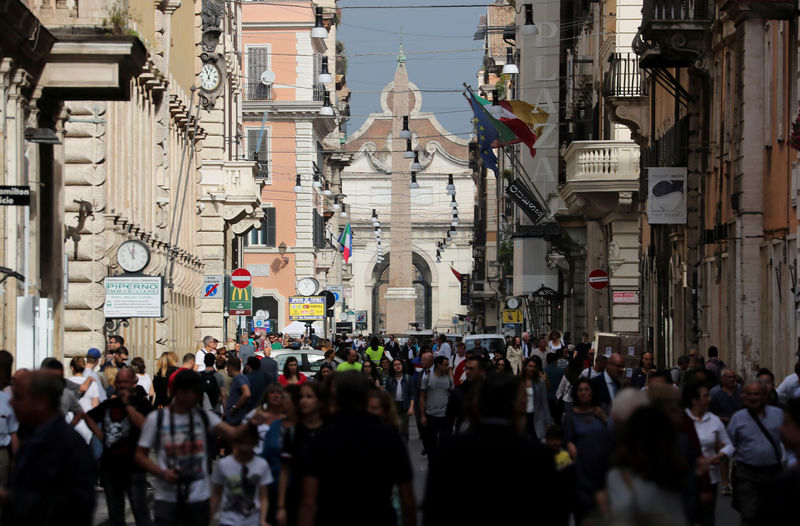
{"x": 255, "y": 90}
{"x": 674, "y": 11}
{"x": 624, "y": 77}
{"x": 605, "y": 161}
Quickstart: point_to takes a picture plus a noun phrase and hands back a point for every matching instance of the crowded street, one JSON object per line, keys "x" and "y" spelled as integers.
{"x": 399, "y": 262}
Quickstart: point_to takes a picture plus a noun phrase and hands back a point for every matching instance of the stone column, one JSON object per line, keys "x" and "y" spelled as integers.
{"x": 400, "y": 294}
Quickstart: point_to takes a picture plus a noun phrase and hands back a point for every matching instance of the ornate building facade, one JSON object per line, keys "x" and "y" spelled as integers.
{"x": 378, "y": 178}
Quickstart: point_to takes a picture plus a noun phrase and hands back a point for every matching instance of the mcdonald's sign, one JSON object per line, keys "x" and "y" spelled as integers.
{"x": 240, "y": 301}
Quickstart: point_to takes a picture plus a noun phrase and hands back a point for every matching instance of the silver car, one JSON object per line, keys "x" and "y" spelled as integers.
{"x": 309, "y": 359}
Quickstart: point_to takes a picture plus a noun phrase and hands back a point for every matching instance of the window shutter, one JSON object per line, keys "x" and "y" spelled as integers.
{"x": 257, "y": 63}
{"x": 269, "y": 231}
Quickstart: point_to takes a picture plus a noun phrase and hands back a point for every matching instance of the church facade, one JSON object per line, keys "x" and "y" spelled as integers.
{"x": 371, "y": 184}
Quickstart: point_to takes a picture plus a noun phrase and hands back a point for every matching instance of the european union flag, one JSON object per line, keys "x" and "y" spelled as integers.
{"x": 487, "y": 134}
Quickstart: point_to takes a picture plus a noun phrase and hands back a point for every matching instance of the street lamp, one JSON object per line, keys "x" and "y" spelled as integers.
{"x": 282, "y": 251}
{"x": 319, "y": 30}
{"x": 405, "y": 133}
{"x": 325, "y": 76}
{"x": 326, "y": 110}
{"x": 450, "y": 188}
{"x": 297, "y": 186}
{"x": 409, "y": 153}
{"x": 529, "y": 28}
{"x": 414, "y": 183}
{"x": 510, "y": 68}
{"x": 415, "y": 166}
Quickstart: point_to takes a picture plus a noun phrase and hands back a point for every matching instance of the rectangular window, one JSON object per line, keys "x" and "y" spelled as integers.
{"x": 319, "y": 230}
{"x": 264, "y": 236}
{"x": 257, "y": 64}
{"x": 262, "y": 149}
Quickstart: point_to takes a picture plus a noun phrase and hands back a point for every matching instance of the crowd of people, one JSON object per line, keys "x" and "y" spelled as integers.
{"x": 224, "y": 435}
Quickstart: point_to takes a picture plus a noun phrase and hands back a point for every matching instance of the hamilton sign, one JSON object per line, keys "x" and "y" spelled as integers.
{"x": 526, "y": 201}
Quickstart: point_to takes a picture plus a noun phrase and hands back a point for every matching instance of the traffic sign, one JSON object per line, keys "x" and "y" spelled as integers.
{"x": 240, "y": 278}
{"x": 212, "y": 287}
{"x": 337, "y": 290}
{"x": 598, "y": 279}
{"x": 258, "y": 323}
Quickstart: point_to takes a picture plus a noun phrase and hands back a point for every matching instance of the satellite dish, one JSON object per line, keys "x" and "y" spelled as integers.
{"x": 267, "y": 78}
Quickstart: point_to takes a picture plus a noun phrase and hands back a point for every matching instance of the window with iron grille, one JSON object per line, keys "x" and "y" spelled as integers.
{"x": 263, "y": 151}
{"x": 257, "y": 63}
{"x": 264, "y": 236}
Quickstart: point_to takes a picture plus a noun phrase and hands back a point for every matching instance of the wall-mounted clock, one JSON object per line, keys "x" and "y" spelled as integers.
{"x": 307, "y": 286}
{"x": 133, "y": 256}
{"x": 512, "y": 303}
{"x": 210, "y": 77}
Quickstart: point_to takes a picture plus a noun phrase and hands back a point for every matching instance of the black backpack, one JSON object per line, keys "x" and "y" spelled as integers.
{"x": 210, "y": 386}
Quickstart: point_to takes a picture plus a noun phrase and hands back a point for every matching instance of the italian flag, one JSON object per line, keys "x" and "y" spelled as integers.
{"x": 346, "y": 242}
{"x": 522, "y": 118}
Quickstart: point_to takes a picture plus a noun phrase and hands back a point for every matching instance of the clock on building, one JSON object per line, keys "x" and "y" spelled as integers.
{"x": 133, "y": 256}
{"x": 307, "y": 286}
{"x": 210, "y": 77}
{"x": 512, "y": 303}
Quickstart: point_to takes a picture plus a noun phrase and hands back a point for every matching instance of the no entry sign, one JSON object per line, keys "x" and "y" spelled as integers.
{"x": 598, "y": 279}
{"x": 240, "y": 278}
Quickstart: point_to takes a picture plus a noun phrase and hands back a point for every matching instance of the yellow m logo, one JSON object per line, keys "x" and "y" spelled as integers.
{"x": 238, "y": 294}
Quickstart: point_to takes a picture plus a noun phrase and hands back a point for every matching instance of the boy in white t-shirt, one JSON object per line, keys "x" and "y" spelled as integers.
{"x": 240, "y": 483}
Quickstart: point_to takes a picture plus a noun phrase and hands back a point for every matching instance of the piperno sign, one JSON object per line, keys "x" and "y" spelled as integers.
{"x": 526, "y": 201}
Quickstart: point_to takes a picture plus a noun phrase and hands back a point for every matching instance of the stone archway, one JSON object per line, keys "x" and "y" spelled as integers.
{"x": 421, "y": 281}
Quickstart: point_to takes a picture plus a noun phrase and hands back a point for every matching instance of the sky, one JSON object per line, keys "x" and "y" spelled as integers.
{"x": 423, "y": 30}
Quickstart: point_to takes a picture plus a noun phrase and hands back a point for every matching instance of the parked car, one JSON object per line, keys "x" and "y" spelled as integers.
{"x": 308, "y": 359}
{"x": 494, "y": 343}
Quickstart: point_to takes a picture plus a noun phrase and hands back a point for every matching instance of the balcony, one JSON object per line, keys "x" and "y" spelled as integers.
{"x": 601, "y": 178}
{"x": 233, "y": 184}
{"x": 768, "y": 9}
{"x": 674, "y": 33}
{"x": 255, "y": 90}
{"x": 325, "y": 259}
{"x": 625, "y": 95}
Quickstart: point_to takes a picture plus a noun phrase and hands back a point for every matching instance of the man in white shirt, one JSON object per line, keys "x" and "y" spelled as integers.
{"x": 444, "y": 348}
{"x": 209, "y": 346}
{"x": 93, "y": 355}
{"x": 790, "y": 385}
{"x": 541, "y": 350}
{"x": 597, "y": 368}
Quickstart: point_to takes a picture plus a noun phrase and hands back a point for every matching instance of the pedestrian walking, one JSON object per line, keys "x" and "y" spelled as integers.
{"x": 783, "y": 494}
{"x": 166, "y": 366}
{"x": 310, "y": 412}
{"x": 514, "y": 355}
{"x": 755, "y": 433}
{"x": 553, "y": 374}
{"x": 493, "y": 449}
{"x": 714, "y": 443}
{"x": 434, "y": 394}
{"x": 238, "y": 394}
{"x": 53, "y": 476}
{"x": 643, "y": 488}
{"x": 401, "y": 388}
{"x": 240, "y": 485}
{"x": 790, "y": 386}
{"x": 351, "y": 364}
{"x": 179, "y": 436}
{"x": 143, "y": 380}
{"x": 639, "y": 376}
{"x": 584, "y": 418}
{"x": 8, "y": 437}
{"x": 537, "y": 410}
{"x": 328, "y": 470}
{"x": 606, "y": 386}
{"x": 726, "y": 399}
{"x": 120, "y": 419}
{"x": 258, "y": 381}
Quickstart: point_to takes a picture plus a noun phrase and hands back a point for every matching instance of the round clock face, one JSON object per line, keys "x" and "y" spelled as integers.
{"x": 307, "y": 286}
{"x": 512, "y": 303}
{"x": 133, "y": 256}
{"x": 209, "y": 77}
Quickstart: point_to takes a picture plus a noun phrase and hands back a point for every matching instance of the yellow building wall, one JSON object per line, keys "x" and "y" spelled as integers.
{"x": 183, "y": 52}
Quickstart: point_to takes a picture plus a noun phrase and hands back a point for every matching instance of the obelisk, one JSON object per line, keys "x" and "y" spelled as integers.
{"x": 400, "y": 294}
